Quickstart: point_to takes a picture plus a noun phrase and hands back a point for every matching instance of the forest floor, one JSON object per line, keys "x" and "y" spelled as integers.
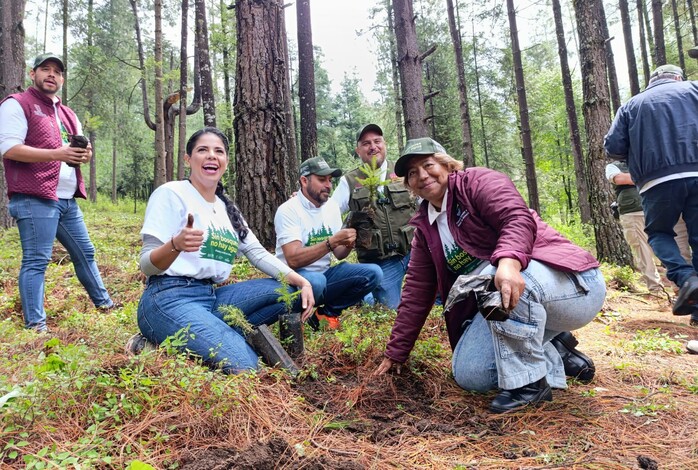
{"x": 76, "y": 399}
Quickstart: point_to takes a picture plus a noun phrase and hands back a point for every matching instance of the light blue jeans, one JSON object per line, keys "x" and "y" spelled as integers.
{"x": 342, "y": 285}
{"x": 173, "y": 304}
{"x": 517, "y": 352}
{"x": 388, "y": 292}
{"x": 40, "y": 222}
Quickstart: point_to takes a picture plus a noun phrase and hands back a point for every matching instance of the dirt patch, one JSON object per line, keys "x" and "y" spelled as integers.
{"x": 275, "y": 453}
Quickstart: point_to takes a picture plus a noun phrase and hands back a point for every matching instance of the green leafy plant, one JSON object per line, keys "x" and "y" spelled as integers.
{"x": 646, "y": 341}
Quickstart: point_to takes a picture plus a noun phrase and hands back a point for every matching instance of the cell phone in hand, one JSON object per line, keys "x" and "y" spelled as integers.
{"x": 79, "y": 141}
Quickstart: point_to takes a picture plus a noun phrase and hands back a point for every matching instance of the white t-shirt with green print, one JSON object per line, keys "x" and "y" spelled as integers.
{"x": 299, "y": 219}
{"x": 165, "y": 216}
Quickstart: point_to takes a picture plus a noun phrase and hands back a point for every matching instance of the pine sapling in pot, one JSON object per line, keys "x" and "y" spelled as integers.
{"x": 364, "y": 220}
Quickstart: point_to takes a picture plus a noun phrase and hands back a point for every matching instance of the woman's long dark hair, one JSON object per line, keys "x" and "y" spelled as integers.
{"x": 231, "y": 209}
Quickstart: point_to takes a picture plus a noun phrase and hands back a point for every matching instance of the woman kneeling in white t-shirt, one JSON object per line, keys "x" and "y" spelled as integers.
{"x": 191, "y": 235}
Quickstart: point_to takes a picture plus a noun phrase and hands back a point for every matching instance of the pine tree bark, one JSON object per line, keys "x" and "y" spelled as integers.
{"x": 525, "y": 131}
{"x": 11, "y": 73}
{"x": 571, "y": 108}
{"x": 410, "y": 67}
{"x": 264, "y": 144}
{"x": 466, "y": 133}
{"x": 692, "y": 15}
{"x": 610, "y": 62}
{"x": 64, "y": 89}
{"x": 658, "y": 23}
{"x": 160, "y": 154}
{"x": 629, "y": 48}
{"x": 306, "y": 80}
{"x": 204, "y": 63}
{"x": 610, "y": 243}
{"x": 677, "y": 29}
{"x": 643, "y": 42}
{"x": 395, "y": 78}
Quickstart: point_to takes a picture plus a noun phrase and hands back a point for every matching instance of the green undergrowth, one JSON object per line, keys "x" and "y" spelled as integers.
{"x": 73, "y": 398}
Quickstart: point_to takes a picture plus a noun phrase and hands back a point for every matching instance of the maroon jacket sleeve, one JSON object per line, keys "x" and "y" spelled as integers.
{"x": 418, "y": 296}
{"x": 498, "y": 205}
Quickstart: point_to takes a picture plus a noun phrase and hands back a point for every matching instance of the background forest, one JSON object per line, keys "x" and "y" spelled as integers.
{"x": 527, "y": 87}
{"x": 143, "y": 75}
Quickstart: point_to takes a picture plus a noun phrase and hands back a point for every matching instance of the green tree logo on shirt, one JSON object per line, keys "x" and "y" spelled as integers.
{"x": 220, "y": 245}
{"x": 319, "y": 235}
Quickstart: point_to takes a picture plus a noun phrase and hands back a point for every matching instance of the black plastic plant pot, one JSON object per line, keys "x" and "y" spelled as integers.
{"x": 291, "y": 333}
{"x": 269, "y": 348}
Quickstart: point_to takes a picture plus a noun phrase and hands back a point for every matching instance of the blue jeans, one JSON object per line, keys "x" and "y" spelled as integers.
{"x": 663, "y": 205}
{"x": 172, "y": 304}
{"x": 40, "y": 222}
{"x": 388, "y": 292}
{"x": 517, "y": 352}
{"x": 342, "y": 285}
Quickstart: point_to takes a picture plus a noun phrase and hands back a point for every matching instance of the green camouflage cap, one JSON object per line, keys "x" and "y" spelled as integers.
{"x": 414, "y": 147}
{"x": 48, "y": 56}
{"x": 318, "y": 166}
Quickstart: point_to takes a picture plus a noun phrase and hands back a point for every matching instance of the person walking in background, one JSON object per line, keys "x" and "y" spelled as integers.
{"x": 43, "y": 179}
{"x": 192, "y": 234}
{"x": 395, "y": 207}
{"x": 308, "y": 231}
{"x": 474, "y": 221}
{"x": 656, "y": 132}
{"x": 632, "y": 219}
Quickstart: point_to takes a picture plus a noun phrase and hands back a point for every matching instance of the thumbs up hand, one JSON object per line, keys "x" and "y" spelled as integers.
{"x": 189, "y": 238}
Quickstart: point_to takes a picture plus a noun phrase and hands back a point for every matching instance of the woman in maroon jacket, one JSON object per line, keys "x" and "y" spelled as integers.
{"x": 474, "y": 221}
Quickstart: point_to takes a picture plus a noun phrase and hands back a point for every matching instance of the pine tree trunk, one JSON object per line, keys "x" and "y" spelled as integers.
{"x": 658, "y": 23}
{"x": 692, "y": 15}
{"x": 610, "y": 243}
{"x": 204, "y": 63}
{"x": 11, "y": 73}
{"x": 183, "y": 77}
{"x": 643, "y": 42}
{"x": 264, "y": 145}
{"x": 410, "y": 67}
{"x": 571, "y": 108}
{"x": 677, "y": 29}
{"x": 306, "y": 80}
{"x": 399, "y": 125}
{"x": 648, "y": 28}
{"x": 610, "y": 63}
{"x": 525, "y": 131}
{"x": 466, "y": 133}
{"x": 160, "y": 176}
{"x": 64, "y": 89}
{"x": 629, "y": 48}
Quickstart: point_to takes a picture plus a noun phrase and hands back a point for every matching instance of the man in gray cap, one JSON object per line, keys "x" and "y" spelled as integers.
{"x": 43, "y": 178}
{"x": 308, "y": 231}
{"x": 656, "y": 132}
{"x": 390, "y": 244}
